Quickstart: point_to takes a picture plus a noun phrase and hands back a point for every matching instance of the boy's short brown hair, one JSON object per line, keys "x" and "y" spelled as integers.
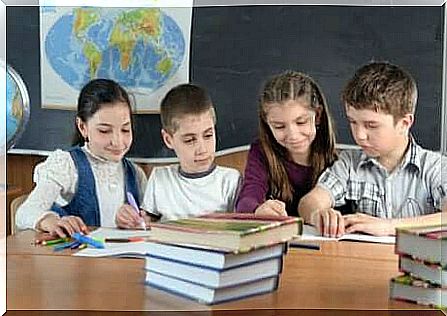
{"x": 381, "y": 86}
{"x": 184, "y": 99}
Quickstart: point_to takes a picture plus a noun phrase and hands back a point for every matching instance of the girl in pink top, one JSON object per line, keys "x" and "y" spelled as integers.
{"x": 296, "y": 143}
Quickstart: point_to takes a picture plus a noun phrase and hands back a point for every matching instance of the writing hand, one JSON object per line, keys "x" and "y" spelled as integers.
{"x": 272, "y": 207}
{"x": 127, "y": 217}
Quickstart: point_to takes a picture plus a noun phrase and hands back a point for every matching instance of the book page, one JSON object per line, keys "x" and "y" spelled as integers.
{"x": 108, "y": 232}
{"x": 121, "y": 249}
{"x": 311, "y": 233}
{"x": 128, "y": 250}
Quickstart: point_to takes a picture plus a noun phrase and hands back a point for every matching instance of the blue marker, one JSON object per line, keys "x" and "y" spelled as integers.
{"x": 133, "y": 203}
{"x": 87, "y": 240}
{"x": 65, "y": 245}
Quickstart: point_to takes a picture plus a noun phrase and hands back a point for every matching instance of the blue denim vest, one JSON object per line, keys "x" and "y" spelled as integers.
{"x": 85, "y": 202}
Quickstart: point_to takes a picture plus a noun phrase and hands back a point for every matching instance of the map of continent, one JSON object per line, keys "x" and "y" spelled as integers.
{"x": 140, "y": 48}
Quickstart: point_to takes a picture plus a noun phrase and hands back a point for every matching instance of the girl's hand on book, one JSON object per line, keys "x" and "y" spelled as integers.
{"x": 329, "y": 222}
{"x": 363, "y": 223}
{"x": 272, "y": 207}
{"x": 127, "y": 217}
{"x": 63, "y": 226}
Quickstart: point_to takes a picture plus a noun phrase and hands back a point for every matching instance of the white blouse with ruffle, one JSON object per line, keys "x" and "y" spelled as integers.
{"x": 56, "y": 181}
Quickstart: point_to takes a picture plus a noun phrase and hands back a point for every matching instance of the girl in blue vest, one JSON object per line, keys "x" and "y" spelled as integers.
{"x": 87, "y": 185}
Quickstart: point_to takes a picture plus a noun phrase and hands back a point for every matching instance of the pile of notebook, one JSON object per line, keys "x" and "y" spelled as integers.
{"x": 219, "y": 257}
{"x": 423, "y": 262}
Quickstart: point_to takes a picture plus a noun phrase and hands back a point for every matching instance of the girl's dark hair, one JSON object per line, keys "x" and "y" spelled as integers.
{"x": 279, "y": 89}
{"x": 96, "y": 94}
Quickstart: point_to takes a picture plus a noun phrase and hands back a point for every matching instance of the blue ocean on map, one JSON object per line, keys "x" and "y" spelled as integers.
{"x": 66, "y": 52}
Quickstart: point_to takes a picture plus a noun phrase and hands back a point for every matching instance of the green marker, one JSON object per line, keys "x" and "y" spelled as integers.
{"x": 55, "y": 241}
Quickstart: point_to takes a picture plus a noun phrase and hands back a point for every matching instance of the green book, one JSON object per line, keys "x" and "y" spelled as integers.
{"x": 408, "y": 288}
{"x": 236, "y": 232}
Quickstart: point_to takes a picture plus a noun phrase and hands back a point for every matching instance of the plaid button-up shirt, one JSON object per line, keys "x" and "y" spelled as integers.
{"x": 414, "y": 188}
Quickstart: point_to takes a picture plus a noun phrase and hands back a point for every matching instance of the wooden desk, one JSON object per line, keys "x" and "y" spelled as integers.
{"x": 21, "y": 243}
{"x": 310, "y": 280}
{"x": 360, "y": 250}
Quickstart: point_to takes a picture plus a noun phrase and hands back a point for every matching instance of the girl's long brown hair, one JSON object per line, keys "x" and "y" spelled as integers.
{"x": 279, "y": 89}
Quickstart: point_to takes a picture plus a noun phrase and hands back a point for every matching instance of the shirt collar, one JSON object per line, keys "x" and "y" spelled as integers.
{"x": 98, "y": 158}
{"x": 198, "y": 174}
{"x": 412, "y": 157}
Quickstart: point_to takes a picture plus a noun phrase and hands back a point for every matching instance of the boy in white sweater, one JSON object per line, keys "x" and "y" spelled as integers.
{"x": 196, "y": 185}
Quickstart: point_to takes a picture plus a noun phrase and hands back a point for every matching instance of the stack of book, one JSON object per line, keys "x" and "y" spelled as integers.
{"x": 423, "y": 262}
{"x": 219, "y": 257}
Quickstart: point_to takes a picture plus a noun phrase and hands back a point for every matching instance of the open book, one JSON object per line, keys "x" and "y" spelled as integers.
{"x": 108, "y": 232}
{"x": 311, "y": 233}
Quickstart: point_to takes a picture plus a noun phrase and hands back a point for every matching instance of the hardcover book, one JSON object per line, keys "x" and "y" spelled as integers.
{"x": 235, "y": 232}
{"x": 431, "y": 272}
{"x": 214, "y": 278}
{"x": 211, "y": 258}
{"x": 426, "y": 243}
{"x": 418, "y": 291}
{"x": 207, "y": 295}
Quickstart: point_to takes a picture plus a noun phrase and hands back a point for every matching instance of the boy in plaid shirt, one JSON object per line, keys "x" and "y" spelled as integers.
{"x": 391, "y": 180}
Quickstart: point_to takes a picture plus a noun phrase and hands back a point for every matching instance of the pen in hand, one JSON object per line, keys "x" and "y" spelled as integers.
{"x": 133, "y": 203}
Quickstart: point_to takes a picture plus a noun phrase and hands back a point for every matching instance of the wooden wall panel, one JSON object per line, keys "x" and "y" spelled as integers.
{"x": 19, "y": 168}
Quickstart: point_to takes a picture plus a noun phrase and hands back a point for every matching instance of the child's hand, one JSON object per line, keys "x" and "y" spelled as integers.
{"x": 272, "y": 207}
{"x": 127, "y": 217}
{"x": 364, "y": 223}
{"x": 329, "y": 222}
{"x": 63, "y": 226}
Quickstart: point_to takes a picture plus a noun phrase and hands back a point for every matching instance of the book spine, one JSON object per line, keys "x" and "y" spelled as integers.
{"x": 201, "y": 266}
{"x": 169, "y": 290}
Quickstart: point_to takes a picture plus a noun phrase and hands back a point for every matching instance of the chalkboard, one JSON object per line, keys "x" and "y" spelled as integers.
{"x": 234, "y": 49}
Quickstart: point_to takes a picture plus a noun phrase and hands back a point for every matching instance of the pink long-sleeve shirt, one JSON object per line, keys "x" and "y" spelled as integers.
{"x": 255, "y": 187}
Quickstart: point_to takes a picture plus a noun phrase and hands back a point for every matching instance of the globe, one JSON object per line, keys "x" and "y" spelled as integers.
{"x": 17, "y": 107}
{"x": 139, "y": 48}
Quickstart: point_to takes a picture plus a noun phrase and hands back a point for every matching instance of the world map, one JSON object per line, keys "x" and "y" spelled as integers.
{"x": 140, "y": 48}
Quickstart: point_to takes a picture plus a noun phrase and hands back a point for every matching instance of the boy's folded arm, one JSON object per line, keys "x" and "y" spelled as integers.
{"x": 423, "y": 220}
{"x": 317, "y": 199}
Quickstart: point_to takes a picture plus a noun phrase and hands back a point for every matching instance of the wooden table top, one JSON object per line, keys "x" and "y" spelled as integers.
{"x": 22, "y": 243}
{"x": 342, "y": 275}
